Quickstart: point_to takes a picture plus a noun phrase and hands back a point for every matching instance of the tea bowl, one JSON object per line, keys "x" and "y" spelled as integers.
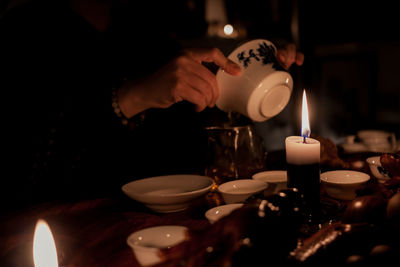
{"x": 277, "y": 179}
{"x": 238, "y": 191}
{"x": 146, "y": 244}
{"x": 343, "y": 184}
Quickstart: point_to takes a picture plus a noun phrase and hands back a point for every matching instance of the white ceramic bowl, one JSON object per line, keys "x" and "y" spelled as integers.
{"x": 377, "y": 170}
{"x": 342, "y": 184}
{"x": 146, "y": 243}
{"x": 277, "y": 180}
{"x": 239, "y": 190}
{"x": 217, "y": 213}
{"x": 169, "y": 193}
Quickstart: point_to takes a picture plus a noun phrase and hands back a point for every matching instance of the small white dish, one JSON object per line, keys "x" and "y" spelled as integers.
{"x": 377, "y": 170}
{"x": 147, "y": 243}
{"x": 343, "y": 184}
{"x": 219, "y": 212}
{"x": 277, "y": 180}
{"x": 169, "y": 193}
{"x": 238, "y": 191}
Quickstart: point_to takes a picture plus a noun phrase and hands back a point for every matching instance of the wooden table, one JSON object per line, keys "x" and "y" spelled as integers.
{"x": 93, "y": 232}
{"x": 90, "y": 232}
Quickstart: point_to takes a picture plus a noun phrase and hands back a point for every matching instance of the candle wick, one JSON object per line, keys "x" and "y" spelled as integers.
{"x": 305, "y": 134}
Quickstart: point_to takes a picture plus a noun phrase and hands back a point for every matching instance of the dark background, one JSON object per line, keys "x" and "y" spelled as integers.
{"x": 352, "y": 50}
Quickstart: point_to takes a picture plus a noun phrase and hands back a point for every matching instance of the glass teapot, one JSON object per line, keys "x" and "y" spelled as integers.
{"x": 234, "y": 152}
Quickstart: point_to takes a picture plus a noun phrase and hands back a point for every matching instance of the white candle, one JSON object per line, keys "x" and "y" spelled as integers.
{"x": 303, "y": 157}
{"x": 300, "y": 153}
{"x": 303, "y": 150}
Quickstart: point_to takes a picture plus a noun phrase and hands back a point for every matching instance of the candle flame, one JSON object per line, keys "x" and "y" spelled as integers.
{"x": 305, "y": 124}
{"x": 44, "y": 247}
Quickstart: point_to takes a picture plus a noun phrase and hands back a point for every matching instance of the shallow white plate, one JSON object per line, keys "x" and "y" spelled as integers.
{"x": 146, "y": 243}
{"x": 169, "y": 193}
{"x": 217, "y": 213}
{"x": 277, "y": 180}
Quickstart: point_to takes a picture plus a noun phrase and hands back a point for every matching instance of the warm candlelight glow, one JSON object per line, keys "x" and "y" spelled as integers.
{"x": 228, "y": 29}
{"x": 305, "y": 124}
{"x": 44, "y": 247}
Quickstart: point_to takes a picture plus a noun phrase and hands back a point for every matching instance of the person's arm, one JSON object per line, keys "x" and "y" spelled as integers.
{"x": 183, "y": 78}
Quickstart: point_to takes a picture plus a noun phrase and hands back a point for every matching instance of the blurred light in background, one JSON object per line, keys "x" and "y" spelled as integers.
{"x": 228, "y": 29}
{"x": 217, "y": 20}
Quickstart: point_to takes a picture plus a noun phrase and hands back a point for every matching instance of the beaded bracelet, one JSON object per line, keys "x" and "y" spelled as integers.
{"x": 117, "y": 109}
{"x": 133, "y": 122}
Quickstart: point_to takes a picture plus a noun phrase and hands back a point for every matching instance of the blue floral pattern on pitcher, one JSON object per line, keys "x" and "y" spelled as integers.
{"x": 264, "y": 53}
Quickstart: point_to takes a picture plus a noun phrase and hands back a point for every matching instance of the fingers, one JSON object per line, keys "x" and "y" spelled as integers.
{"x": 202, "y": 86}
{"x": 282, "y": 55}
{"x": 289, "y": 55}
{"x": 203, "y": 80}
{"x": 215, "y": 55}
{"x": 189, "y": 93}
{"x": 195, "y": 67}
{"x": 193, "y": 82}
{"x": 299, "y": 58}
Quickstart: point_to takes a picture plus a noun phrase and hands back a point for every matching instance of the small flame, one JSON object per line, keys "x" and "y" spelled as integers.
{"x": 44, "y": 247}
{"x": 305, "y": 124}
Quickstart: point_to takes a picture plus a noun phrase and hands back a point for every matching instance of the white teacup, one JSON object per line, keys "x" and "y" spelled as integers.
{"x": 378, "y": 140}
{"x": 262, "y": 90}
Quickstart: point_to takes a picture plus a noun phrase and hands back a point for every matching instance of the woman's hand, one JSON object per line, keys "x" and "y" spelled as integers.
{"x": 184, "y": 78}
{"x": 289, "y": 55}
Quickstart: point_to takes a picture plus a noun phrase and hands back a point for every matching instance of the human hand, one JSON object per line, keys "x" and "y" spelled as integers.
{"x": 289, "y": 55}
{"x": 183, "y": 78}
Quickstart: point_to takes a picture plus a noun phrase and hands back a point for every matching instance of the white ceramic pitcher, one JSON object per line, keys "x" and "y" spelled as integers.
{"x": 264, "y": 88}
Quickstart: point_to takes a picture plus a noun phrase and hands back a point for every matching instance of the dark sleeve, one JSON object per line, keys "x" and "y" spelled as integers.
{"x": 22, "y": 102}
{"x": 57, "y": 105}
